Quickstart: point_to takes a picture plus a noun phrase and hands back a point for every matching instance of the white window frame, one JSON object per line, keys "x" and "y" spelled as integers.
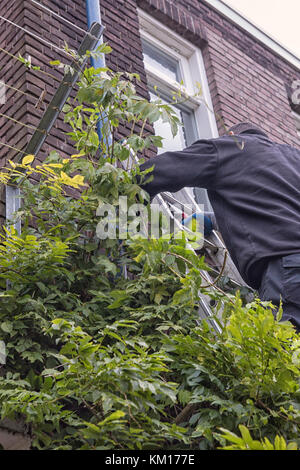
{"x": 192, "y": 70}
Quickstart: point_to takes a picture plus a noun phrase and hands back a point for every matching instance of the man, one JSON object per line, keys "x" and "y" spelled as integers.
{"x": 254, "y": 187}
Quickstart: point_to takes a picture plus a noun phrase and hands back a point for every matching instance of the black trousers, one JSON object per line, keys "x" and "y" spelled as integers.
{"x": 282, "y": 279}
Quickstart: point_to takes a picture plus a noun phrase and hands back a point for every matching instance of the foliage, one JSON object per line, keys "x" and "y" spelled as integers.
{"x": 247, "y": 443}
{"x": 97, "y": 359}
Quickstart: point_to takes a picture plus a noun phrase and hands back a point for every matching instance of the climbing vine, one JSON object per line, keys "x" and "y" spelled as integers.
{"x": 105, "y": 347}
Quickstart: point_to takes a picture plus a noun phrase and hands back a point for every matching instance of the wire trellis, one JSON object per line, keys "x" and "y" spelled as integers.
{"x": 35, "y": 69}
{"x": 53, "y": 13}
{"x": 36, "y": 36}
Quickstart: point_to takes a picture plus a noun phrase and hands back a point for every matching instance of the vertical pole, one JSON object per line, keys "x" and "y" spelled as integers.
{"x": 93, "y": 14}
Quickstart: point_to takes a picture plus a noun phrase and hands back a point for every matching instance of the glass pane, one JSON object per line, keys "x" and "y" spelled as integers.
{"x": 164, "y": 130}
{"x": 186, "y": 136}
{"x": 161, "y": 61}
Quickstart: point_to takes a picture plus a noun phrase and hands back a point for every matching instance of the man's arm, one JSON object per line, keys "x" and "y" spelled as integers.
{"x": 195, "y": 166}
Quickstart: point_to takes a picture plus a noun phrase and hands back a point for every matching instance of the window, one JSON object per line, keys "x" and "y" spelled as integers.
{"x": 172, "y": 62}
{"x": 164, "y": 73}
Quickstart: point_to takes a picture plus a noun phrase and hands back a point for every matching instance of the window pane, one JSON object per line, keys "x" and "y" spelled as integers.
{"x": 164, "y": 130}
{"x": 161, "y": 61}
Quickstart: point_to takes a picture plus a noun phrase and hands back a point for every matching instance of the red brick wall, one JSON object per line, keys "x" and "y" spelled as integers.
{"x": 22, "y": 107}
{"x": 247, "y": 80}
{"x": 122, "y": 32}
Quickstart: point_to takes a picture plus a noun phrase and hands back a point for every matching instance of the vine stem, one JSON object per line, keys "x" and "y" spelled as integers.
{"x": 143, "y": 126}
{"x": 183, "y": 415}
{"x": 262, "y": 405}
{"x": 213, "y": 284}
{"x": 171, "y": 269}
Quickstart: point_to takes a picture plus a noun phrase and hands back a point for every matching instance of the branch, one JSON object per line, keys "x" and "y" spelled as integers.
{"x": 185, "y": 413}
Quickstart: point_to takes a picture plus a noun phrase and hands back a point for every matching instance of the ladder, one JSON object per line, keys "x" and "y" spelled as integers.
{"x": 212, "y": 246}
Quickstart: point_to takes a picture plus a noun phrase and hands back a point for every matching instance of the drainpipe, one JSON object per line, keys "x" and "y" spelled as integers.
{"x": 94, "y": 15}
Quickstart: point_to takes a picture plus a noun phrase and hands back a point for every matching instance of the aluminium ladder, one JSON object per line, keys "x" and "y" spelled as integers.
{"x": 213, "y": 246}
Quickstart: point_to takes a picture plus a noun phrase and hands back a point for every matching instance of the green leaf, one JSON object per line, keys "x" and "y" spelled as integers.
{"x": 7, "y": 327}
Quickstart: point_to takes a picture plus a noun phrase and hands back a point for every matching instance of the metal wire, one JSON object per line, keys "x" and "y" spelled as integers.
{"x": 40, "y": 70}
{"x": 51, "y": 12}
{"x": 23, "y": 124}
{"x": 13, "y": 148}
{"x": 36, "y": 36}
{"x": 20, "y": 91}
{"x": 15, "y": 89}
{"x": 39, "y": 100}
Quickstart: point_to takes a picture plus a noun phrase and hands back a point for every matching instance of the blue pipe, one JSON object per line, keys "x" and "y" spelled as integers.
{"x": 94, "y": 15}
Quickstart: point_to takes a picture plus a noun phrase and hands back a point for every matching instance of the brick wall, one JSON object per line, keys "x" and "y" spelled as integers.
{"x": 247, "y": 80}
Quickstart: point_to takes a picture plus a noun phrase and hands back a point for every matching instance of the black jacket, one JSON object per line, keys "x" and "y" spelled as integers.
{"x": 254, "y": 187}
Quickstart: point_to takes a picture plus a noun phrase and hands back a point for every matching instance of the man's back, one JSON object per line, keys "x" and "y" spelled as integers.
{"x": 256, "y": 200}
{"x": 254, "y": 188}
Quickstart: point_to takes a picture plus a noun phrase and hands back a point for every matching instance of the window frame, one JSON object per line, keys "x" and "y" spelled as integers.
{"x": 192, "y": 70}
{"x": 191, "y": 64}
